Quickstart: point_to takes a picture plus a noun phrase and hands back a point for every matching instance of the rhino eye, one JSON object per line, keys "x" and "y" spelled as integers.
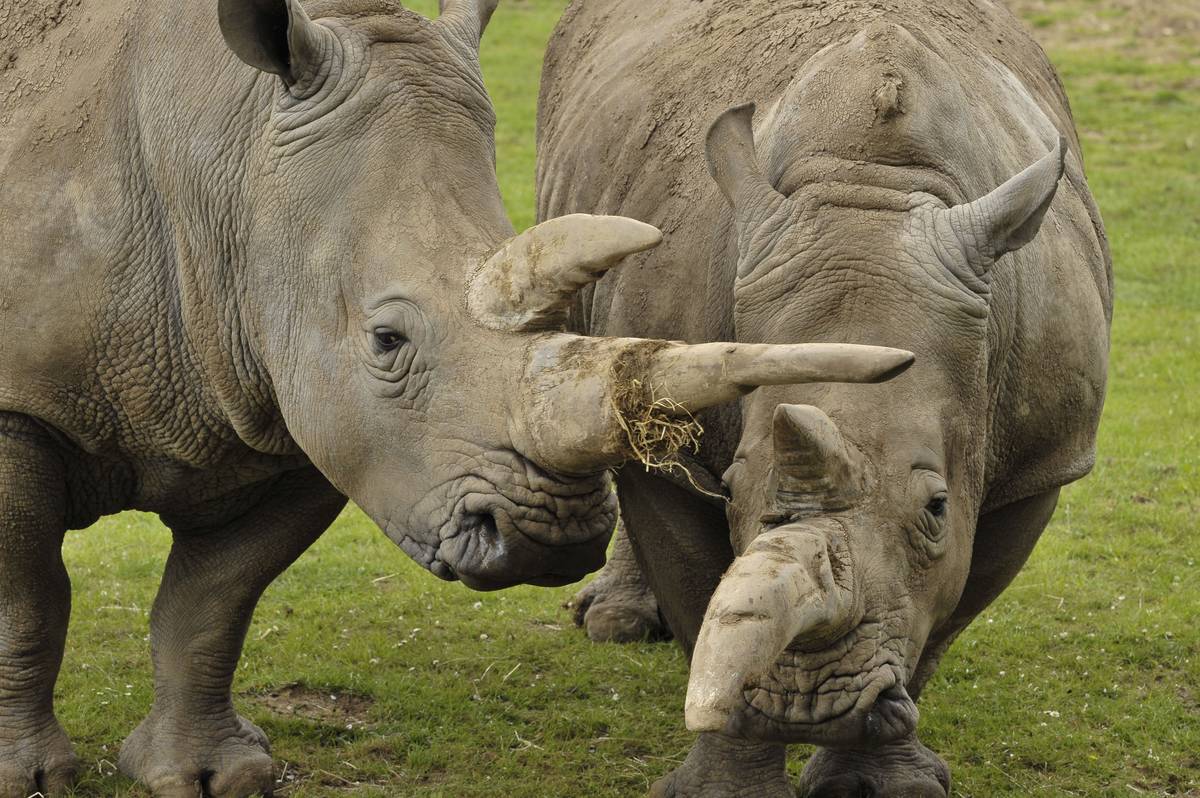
{"x": 388, "y": 340}
{"x": 937, "y": 507}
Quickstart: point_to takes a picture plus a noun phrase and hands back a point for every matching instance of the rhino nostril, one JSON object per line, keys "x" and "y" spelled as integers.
{"x": 482, "y": 526}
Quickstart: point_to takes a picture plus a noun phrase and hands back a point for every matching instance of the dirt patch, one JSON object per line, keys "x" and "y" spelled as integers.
{"x": 1187, "y": 700}
{"x": 28, "y": 23}
{"x": 341, "y": 708}
{"x": 1156, "y": 31}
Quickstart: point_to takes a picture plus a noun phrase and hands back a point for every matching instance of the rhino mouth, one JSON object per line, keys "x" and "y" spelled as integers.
{"x": 492, "y": 549}
{"x": 511, "y": 523}
{"x": 849, "y": 695}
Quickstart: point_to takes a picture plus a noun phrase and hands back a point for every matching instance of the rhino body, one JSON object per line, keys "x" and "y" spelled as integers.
{"x": 899, "y": 184}
{"x": 255, "y": 262}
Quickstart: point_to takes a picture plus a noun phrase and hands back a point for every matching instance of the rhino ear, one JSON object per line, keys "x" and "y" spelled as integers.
{"x": 732, "y": 161}
{"x": 733, "y": 165}
{"x": 275, "y": 36}
{"x": 1009, "y": 217}
{"x": 729, "y": 150}
{"x": 466, "y": 19}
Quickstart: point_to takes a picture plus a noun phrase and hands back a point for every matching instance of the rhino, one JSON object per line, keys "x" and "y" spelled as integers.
{"x": 904, "y": 171}
{"x": 255, "y": 263}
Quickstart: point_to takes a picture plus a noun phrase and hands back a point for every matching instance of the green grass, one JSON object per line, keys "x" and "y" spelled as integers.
{"x": 1083, "y": 679}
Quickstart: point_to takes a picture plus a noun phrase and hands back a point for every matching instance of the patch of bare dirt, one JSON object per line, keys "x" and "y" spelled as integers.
{"x": 341, "y": 708}
{"x": 1154, "y": 30}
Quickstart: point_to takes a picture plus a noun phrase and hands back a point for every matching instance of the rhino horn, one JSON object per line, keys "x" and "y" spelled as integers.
{"x": 466, "y": 19}
{"x": 528, "y": 284}
{"x": 579, "y": 392}
{"x": 1009, "y": 217}
{"x": 781, "y": 591}
{"x": 814, "y": 468}
{"x": 704, "y": 375}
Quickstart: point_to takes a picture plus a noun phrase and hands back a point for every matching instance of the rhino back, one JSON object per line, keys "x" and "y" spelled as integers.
{"x": 649, "y": 80}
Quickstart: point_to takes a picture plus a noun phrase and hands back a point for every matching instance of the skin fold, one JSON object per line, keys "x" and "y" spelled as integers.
{"x": 908, "y": 175}
{"x": 255, "y": 263}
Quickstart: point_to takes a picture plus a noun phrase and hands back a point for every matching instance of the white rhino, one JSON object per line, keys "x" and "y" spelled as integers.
{"x": 235, "y": 296}
{"x": 912, "y": 176}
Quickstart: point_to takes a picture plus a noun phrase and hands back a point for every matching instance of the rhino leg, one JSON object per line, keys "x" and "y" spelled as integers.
{"x": 35, "y": 604}
{"x": 904, "y": 769}
{"x": 193, "y": 742}
{"x": 618, "y": 605}
{"x": 683, "y": 545}
{"x": 726, "y": 767}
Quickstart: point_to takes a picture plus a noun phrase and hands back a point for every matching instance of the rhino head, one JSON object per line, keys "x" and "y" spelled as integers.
{"x": 852, "y": 513}
{"x": 411, "y": 341}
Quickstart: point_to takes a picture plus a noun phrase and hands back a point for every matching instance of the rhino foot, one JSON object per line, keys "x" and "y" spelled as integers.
{"x": 38, "y": 763}
{"x": 725, "y": 767}
{"x": 199, "y": 758}
{"x": 612, "y": 612}
{"x": 618, "y": 606}
{"x": 905, "y": 769}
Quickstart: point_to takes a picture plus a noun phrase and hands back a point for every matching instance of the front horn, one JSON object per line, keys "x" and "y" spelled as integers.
{"x": 582, "y": 396}
{"x": 792, "y": 583}
{"x": 528, "y": 284}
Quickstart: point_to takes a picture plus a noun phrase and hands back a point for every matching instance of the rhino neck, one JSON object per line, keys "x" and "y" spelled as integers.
{"x": 195, "y": 161}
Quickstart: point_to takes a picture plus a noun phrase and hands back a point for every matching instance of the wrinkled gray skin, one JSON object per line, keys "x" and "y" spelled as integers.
{"x": 254, "y": 262}
{"x": 923, "y": 497}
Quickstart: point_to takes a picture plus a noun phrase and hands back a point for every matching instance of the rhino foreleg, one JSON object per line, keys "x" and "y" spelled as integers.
{"x": 618, "y": 606}
{"x": 193, "y": 740}
{"x": 726, "y": 767}
{"x": 35, "y": 604}
{"x": 683, "y": 544}
{"x": 905, "y": 769}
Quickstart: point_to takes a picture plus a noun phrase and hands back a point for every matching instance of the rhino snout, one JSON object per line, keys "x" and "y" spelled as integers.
{"x": 495, "y": 548}
{"x": 510, "y": 523}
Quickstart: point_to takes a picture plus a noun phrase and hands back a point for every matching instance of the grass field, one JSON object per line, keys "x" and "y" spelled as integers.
{"x": 373, "y": 678}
